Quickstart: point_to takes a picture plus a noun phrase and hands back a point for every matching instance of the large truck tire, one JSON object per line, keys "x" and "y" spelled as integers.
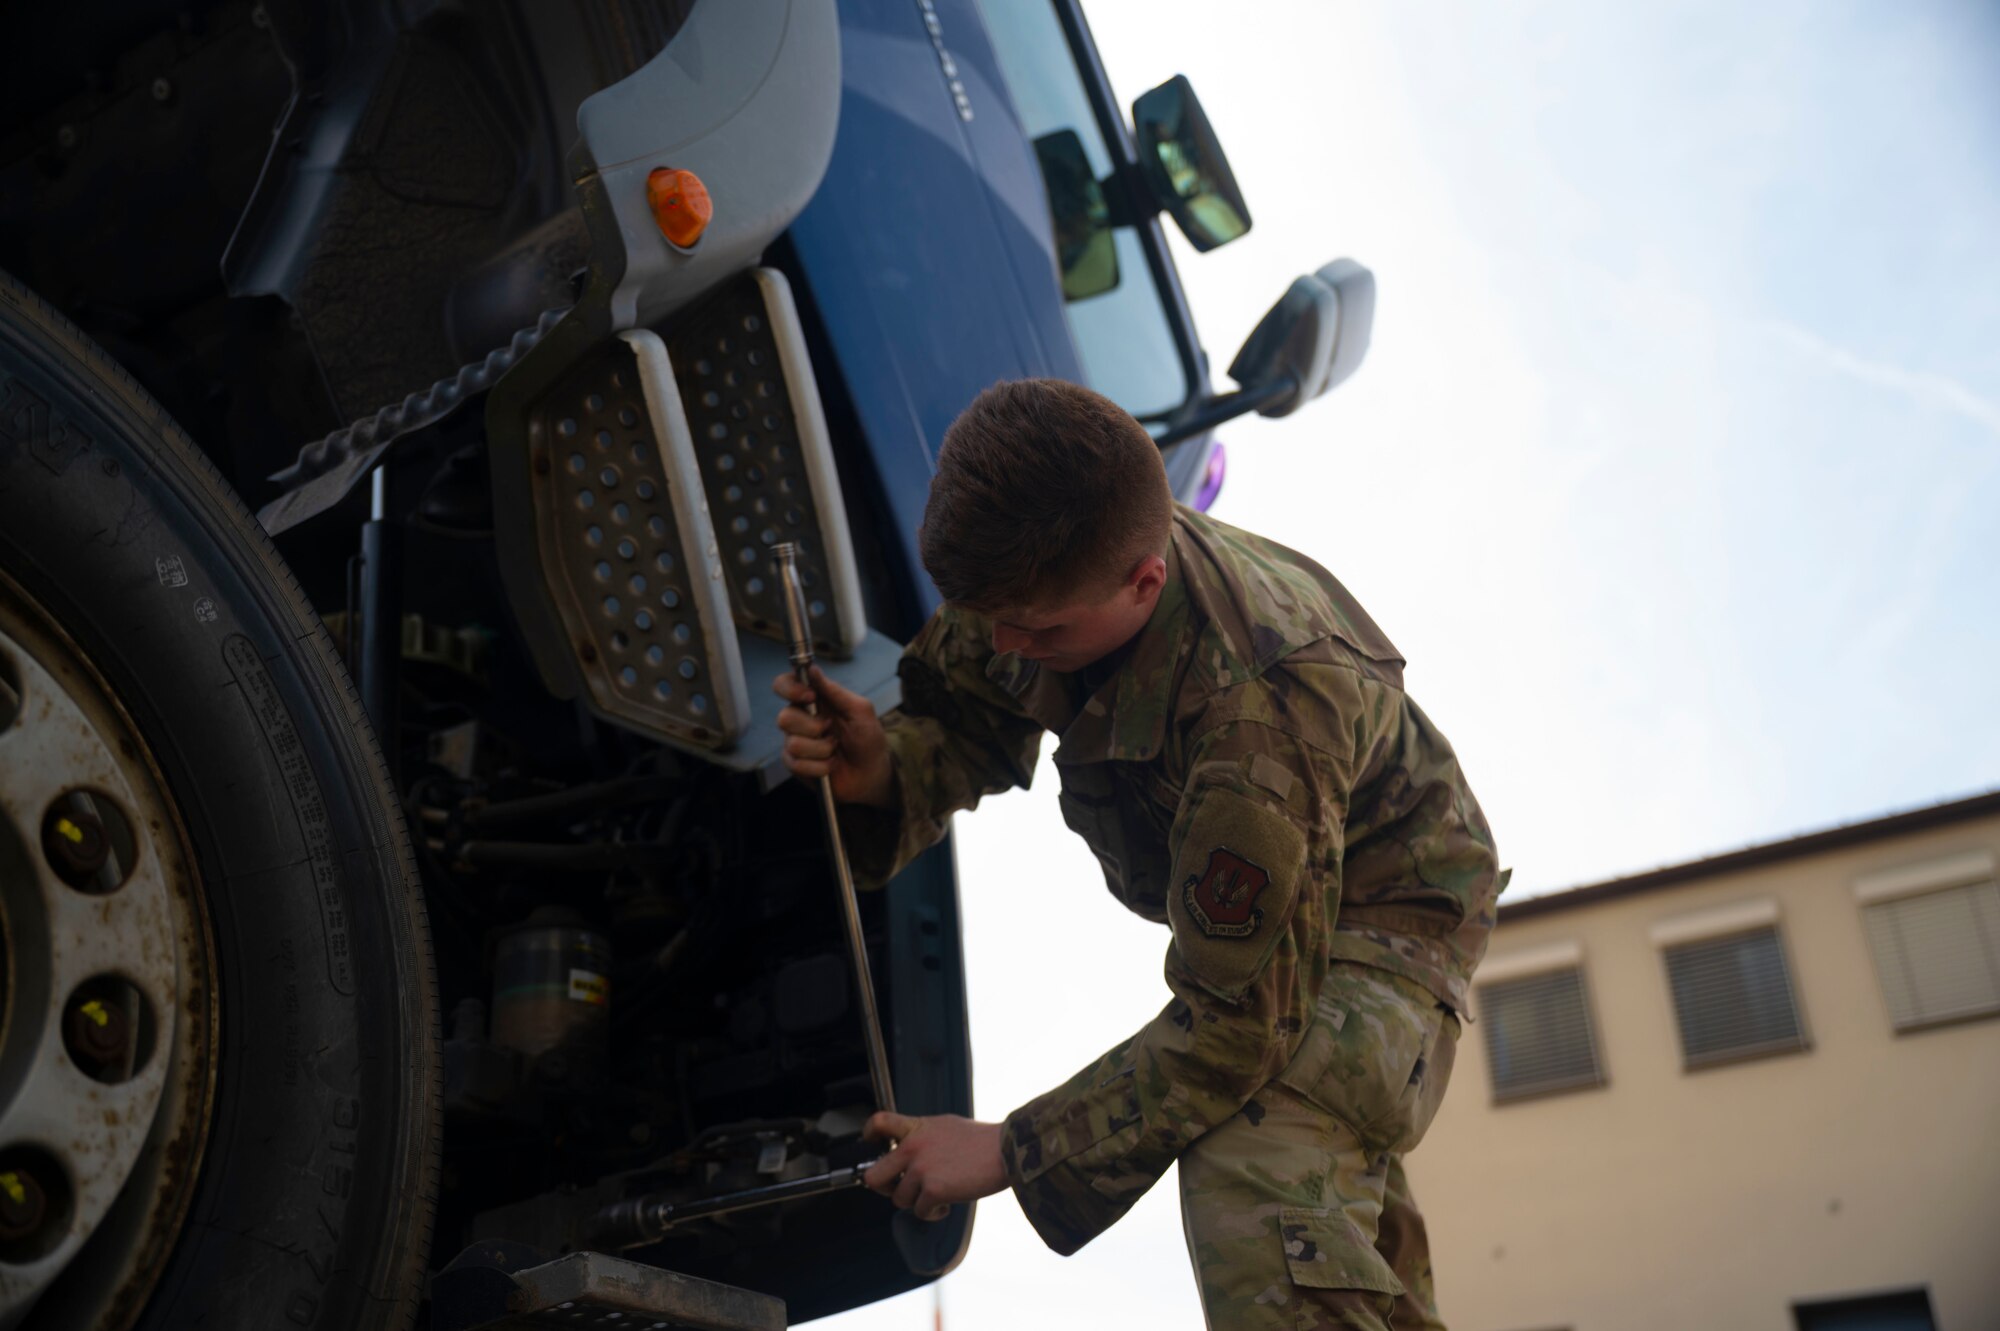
{"x": 294, "y": 1181}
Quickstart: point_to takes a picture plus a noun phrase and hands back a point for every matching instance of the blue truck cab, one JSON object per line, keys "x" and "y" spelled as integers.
{"x": 530, "y": 334}
{"x": 962, "y": 289}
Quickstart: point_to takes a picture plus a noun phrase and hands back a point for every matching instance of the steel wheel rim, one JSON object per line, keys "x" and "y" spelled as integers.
{"x": 108, "y": 1125}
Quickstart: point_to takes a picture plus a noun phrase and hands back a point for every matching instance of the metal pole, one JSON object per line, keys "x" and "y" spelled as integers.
{"x": 799, "y": 630}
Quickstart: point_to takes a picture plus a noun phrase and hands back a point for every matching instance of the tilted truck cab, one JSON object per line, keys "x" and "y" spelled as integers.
{"x": 404, "y": 905}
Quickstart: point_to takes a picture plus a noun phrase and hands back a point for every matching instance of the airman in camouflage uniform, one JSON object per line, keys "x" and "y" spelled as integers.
{"x": 1250, "y": 773}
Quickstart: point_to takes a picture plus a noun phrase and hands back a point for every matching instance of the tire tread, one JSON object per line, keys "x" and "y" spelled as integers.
{"x": 233, "y": 523}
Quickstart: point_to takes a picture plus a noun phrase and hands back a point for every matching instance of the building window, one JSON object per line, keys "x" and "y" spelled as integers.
{"x": 1935, "y": 931}
{"x": 1733, "y": 997}
{"x": 1538, "y": 1034}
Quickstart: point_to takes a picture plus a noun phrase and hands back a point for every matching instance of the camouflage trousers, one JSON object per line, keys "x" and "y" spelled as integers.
{"x": 1297, "y": 1211}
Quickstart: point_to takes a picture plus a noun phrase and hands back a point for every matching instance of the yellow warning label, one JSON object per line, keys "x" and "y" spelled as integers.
{"x": 589, "y": 987}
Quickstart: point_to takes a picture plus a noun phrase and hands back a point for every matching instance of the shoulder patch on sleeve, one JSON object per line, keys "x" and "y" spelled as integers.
{"x": 1233, "y": 885}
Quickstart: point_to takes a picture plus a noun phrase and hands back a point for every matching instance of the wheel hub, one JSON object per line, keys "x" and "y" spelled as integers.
{"x": 106, "y": 1037}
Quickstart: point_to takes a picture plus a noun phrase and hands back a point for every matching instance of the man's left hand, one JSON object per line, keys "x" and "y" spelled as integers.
{"x": 938, "y": 1160}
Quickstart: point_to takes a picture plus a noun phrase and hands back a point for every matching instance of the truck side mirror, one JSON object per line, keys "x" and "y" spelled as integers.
{"x": 1085, "y": 253}
{"x": 1313, "y": 338}
{"x": 1184, "y": 168}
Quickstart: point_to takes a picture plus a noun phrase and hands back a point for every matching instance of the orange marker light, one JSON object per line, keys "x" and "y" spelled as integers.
{"x": 680, "y": 205}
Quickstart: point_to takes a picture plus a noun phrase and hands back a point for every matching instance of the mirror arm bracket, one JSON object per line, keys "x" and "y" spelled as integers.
{"x": 1131, "y": 202}
{"x": 1214, "y": 411}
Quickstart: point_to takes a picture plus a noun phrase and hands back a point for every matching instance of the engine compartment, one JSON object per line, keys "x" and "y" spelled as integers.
{"x": 640, "y": 953}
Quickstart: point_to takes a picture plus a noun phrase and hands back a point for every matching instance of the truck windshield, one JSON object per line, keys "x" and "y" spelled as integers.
{"x": 1122, "y": 335}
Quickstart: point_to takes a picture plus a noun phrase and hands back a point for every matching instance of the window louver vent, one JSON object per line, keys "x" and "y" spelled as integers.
{"x": 1733, "y": 998}
{"x": 1538, "y": 1035}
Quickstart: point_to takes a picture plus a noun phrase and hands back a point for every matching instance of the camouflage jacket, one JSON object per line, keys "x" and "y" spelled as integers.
{"x": 1252, "y": 775}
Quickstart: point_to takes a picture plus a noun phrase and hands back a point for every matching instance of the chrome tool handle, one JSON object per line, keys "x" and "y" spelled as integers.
{"x": 798, "y": 631}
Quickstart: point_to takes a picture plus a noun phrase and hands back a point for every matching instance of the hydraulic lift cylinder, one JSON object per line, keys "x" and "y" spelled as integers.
{"x": 381, "y": 652}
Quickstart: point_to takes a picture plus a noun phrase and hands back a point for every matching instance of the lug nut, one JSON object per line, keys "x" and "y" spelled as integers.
{"x": 99, "y": 1035}
{"x": 75, "y": 844}
{"x": 22, "y": 1204}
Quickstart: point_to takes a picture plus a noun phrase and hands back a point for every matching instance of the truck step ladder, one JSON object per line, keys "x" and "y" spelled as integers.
{"x": 665, "y": 469}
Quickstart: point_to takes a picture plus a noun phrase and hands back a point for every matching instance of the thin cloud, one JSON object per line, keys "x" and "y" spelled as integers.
{"x": 1935, "y": 391}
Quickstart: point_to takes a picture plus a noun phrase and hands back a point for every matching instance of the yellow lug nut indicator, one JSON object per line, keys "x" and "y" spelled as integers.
{"x": 680, "y": 204}
{"x": 79, "y": 838}
{"x": 94, "y": 1010}
{"x": 10, "y": 1183}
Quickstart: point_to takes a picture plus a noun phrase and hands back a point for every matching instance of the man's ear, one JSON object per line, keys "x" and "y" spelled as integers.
{"x": 1147, "y": 577}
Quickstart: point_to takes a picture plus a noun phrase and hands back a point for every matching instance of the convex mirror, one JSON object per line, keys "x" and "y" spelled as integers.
{"x": 1085, "y": 252}
{"x": 1184, "y": 168}
{"x": 1314, "y": 337}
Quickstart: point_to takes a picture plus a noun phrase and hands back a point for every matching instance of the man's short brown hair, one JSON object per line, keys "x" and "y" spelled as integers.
{"x": 1043, "y": 491}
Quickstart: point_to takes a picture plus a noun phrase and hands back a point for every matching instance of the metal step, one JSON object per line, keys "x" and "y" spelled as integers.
{"x": 662, "y": 474}
{"x": 627, "y": 551}
{"x": 487, "y": 1286}
{"x": 753, "y": 406}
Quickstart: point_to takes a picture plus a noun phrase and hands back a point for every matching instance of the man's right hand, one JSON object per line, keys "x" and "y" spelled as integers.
{"x": 844, "y": 742}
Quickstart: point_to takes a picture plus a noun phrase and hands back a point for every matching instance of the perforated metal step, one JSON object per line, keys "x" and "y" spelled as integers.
{"x": 662, "y": 475}
{"x": 767, "y": 463}
{"x": 627, "y": 548}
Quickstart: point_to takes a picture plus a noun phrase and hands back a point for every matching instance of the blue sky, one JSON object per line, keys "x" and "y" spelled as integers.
{"x": 1674, "y": 469}
{"x": 1751, "y": 253}
{"x": 1676, "y": 455}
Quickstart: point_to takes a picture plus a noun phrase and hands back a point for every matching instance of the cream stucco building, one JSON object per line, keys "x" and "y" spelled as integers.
{"x": 1760, "y": 1091}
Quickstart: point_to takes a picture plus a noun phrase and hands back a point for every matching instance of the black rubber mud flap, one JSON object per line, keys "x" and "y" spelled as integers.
{"x": 318, "y": 1180}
